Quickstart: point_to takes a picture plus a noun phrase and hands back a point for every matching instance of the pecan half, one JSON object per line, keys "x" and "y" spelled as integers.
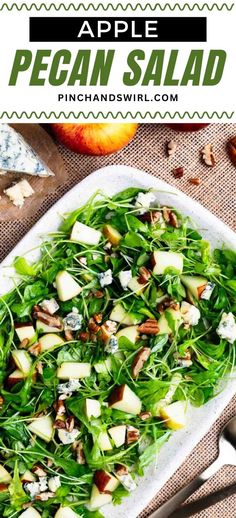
{"x": 121, "y": 469}
{"x": 170, "y": 217}
{"x": 70, "y": 423}
{"x": 144, "y": 275}
{"x": 139, "y": 361}
{"x": 145, "y": 415}
{"x": 171, "y": 147}
{"x": 35, "y": 349}
{"x": 150, "y": 217}
{"x": 132, "y": 434}
{"x": 93, "y": 326}
{"x": 24, "y": 344}
{"x": 150, "y": 327}
{"x": 208, "y": 155}
{"x": 173, "y": 220}
{"x": 78, "y": 448}
{"x": 68, "y": 335}
{"x": 107, "y": 329}
{"x": 98, "y": 294}
{"x": 59, "y": 407}
{"x": 167, "y": 303}
{"x": 59, "y": 424}
{"x": 98, "y": 318}
{"x": 46, "y": 318}
{"x": 84, "y": 337}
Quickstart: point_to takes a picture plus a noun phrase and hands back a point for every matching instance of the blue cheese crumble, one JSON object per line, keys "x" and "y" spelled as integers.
{"x": 207, "y": 292}
{"x": 67, "y": 388}
{"x": 73, "y": 321}
{"x": 124, "y": 278}
{"x": 227, "y": 328}
{"x": 105, "y": 278}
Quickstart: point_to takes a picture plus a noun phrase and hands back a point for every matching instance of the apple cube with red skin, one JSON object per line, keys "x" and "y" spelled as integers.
{"x": 15, "y": 377}
{"x": 98, "y": 499}
{"x": 105, "y": 481}
{"x": 124, "y": 399}
{"x": 24, "y": 330}
{"x": 66, "y": 512}
{"x": 195, "y": 285}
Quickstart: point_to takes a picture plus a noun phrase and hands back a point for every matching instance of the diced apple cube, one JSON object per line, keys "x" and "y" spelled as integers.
{"x": 73, "y": 370}
{"x": 112, "y": 234}
{"x": 44, "y": 328}
{"x": 67, "y": 287}
{"x": 28, "y": 476}
{"x": 124, "y": 399}
{"x": 42, "y": 427}
{"x": 92, "y": 408}
{"x": 84, "y": 234}
{"x": 174, "y": 415}
{"x": 98, "y": 499}
{"x": 22, "y": 360}
{"x": 104, "y": 442}
{"x": 163, "y": 323}
{"x": 15, "y": 377}
{"x": 49, "y": 340}
{"x": 31, "y": 512}
{"x": 135, "y": 286}
{"x": 195, "y": 285}
{"x": 105, "y": 481}
{"x": 131, "y": 333}
{"x": 5, "y": 477}
{"x": 103, "y": 367}
{"x": 162, "y": 260}
{"x": 119, "y": 314}
{"x": 24, "y": 330}
{"x": 118, "y": 434}
{"x": 66, "y": 512}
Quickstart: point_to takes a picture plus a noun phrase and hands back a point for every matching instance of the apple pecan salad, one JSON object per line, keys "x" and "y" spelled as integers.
{"x": 126, "y": 320}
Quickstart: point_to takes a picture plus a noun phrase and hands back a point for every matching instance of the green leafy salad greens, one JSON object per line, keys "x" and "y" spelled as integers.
{"x": 127, "y": 319}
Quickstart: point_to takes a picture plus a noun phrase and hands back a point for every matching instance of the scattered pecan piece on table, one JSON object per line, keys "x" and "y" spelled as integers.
{"x": 208, "y": 155}
{"x": 139, "y": 360}
{"x": 178, "y": 172}
{"x": 194, "y": 181}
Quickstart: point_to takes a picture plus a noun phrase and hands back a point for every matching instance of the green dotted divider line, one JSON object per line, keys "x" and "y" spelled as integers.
{"x": 111, "y": 7}
{"x": 91, "y": 114}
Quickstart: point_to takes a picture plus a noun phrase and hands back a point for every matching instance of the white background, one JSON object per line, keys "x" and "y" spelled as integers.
{"x": 14, "y": 34}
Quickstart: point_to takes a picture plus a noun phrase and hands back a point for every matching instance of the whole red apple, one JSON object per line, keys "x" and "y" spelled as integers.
{"x": 191, "y": 126}
{"x": 95, "y": 138}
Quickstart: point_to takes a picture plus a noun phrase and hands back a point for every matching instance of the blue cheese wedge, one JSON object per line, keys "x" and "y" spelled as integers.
{"x": 18, "y": 192}
{"x": 17, "y": 156}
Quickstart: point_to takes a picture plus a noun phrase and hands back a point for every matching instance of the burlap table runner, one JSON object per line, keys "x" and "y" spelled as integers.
{"x": 217, "y": 192}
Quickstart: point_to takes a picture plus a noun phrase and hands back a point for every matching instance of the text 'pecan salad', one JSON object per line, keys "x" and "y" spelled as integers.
{"x": 127, "y": 320}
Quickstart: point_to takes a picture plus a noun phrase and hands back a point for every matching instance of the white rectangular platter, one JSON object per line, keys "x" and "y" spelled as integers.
{"x": 111, "y": 180}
